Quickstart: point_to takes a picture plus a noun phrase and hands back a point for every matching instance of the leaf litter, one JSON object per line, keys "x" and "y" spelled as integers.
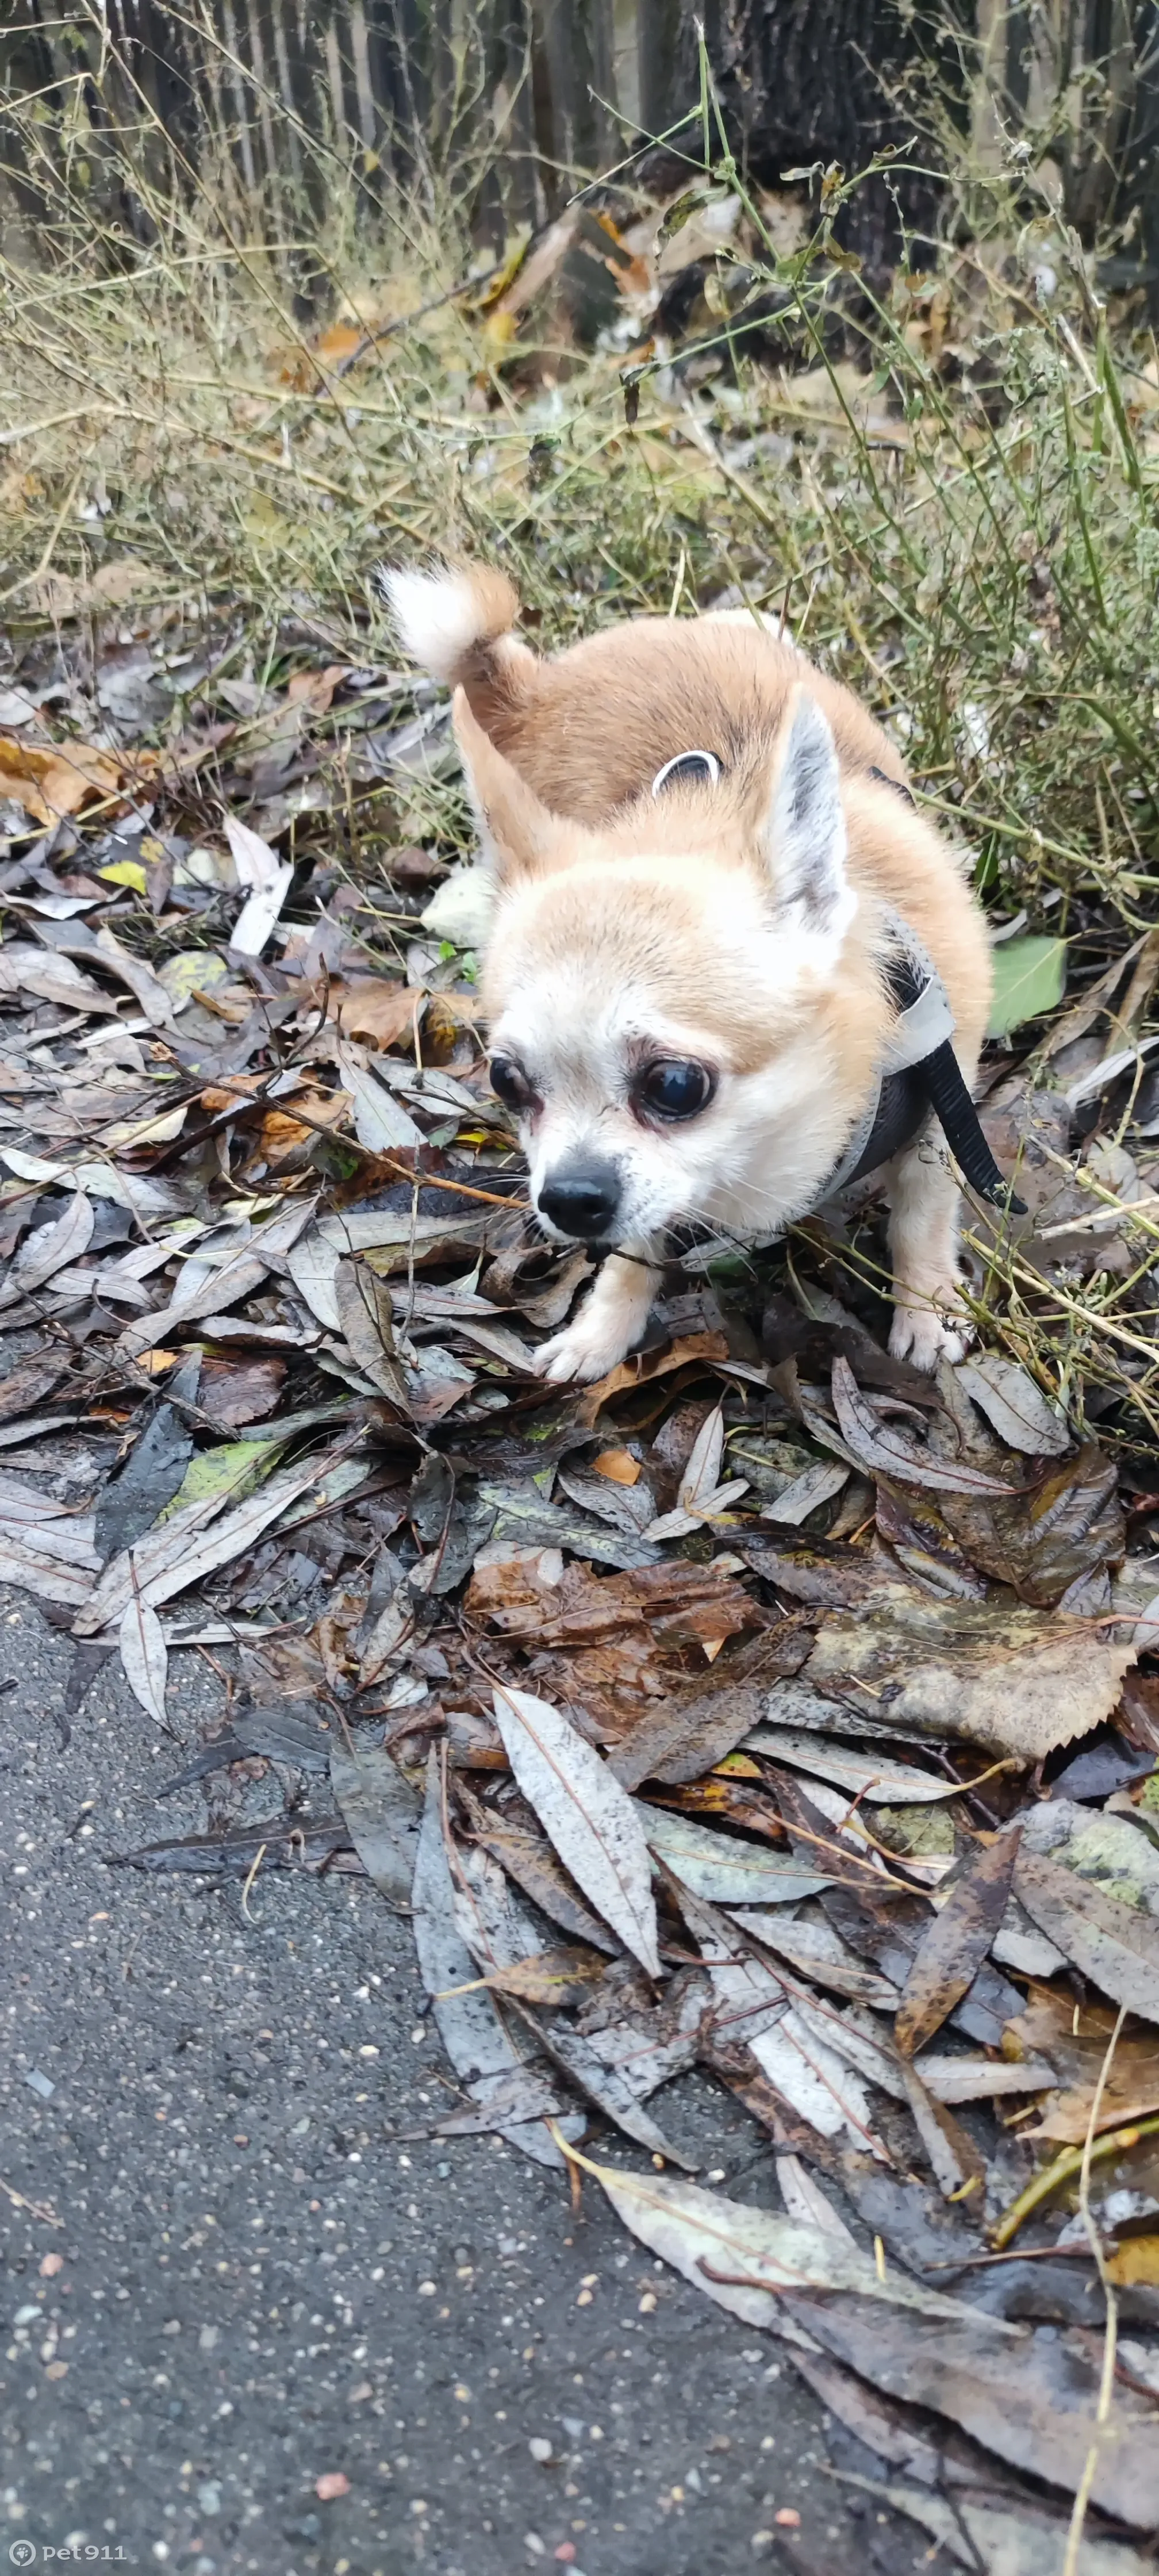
{"x": 763, "y": 1716}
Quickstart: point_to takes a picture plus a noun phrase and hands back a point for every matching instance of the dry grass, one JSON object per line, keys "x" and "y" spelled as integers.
{"x": 960, "y": 515}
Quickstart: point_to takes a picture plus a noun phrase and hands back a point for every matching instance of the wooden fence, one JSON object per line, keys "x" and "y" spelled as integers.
{"x": 516, "y": 102}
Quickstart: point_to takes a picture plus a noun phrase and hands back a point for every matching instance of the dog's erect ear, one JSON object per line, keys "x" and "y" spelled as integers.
{"x": 803, "y": 834}
{"x": 518, "y": 836}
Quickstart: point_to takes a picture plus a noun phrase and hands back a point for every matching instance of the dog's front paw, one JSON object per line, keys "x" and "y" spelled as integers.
{"x": 923, "y": 1335}
{"x": 587, "y": 1350}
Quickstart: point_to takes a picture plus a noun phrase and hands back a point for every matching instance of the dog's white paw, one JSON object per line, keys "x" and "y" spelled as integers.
{"x": 587, "y": 1350}
{"x": 923, "y": 1335}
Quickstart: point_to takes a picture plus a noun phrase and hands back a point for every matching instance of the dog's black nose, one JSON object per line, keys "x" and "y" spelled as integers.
{"x": 582, "y": 1199}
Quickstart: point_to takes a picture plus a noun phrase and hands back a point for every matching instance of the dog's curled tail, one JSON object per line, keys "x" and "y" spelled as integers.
{"x": 448, "y": 619}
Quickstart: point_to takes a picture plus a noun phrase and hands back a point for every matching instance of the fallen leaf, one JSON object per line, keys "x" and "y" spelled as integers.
{"x": 1032, "y": 2403}
{"x": 151, "y": 1476}
{"x": 29, "y": 1382}
{"x": 819, "y": 1484}
{"x": 980, "y": 2079}
{"x": 1115, "y": 1852}
{"x": 1029, "y": 978}
{"x": 876, "y": 1778}
{"x": 374, "y": 1012}
{"x": 50, "y": 979}
{"x": 279, "y": 1842}
{"x": 743, "y": 2256}
{"x": 58, "y": 780}
{"x": 1129, "y": 2090}
{"x": 48, "y": 1249}
{"x": 1135, "y": 2263}
{"x": 268, "y": 879}
{"x": 721, "y": 1868}
{"x": 883, "y": 1449}
{"x": 233, "y": 1394}
{"x": 477, "y": 2042}
{"x": 528, "y": 1858}
{"x": 809, "y": 1944}
{"x": 1009, "y": 1679}
{"x": 956, "y": 1944}
{"x": 1113, "y": 1944}
{"x": 366, "y": 1319}
{"x": 994, "y": 2537}
{"x": 691, "y": 1729}
{"x": 645, "y": 1367}
{"x": 1043, "y": 1540}
{"x": 607, "y": 2087}
{"x": 145, "y": 1658}
{"x": 955, "y": 2161}
{"x": 1014, "y": 1405}
{"x": 184, "y": 1550}
{"x": 550, "y": 1977}
{"x": 590, "y": 1819}
{"x": 382, "y": 1812}
{"x": 618, "y": 1465}
{"x": 380, "y": 1121}
{"x": 37, "y": 1572}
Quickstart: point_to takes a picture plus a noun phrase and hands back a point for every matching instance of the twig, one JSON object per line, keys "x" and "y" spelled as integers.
{"x": 41, "y": 2209}
{"x": 1114, "y": 2142}
{"x": 1107, "y": 2382}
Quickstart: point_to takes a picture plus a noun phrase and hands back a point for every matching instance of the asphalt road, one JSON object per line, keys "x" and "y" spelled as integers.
{"x": 254, "y": 2282}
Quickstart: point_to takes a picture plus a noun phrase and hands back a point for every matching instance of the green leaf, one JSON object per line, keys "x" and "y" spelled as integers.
{"x": 1029, "y": 980}
{"x": 231, "y": 1471}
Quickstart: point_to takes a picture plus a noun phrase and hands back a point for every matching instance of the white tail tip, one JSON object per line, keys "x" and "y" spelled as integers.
{"x": 442, "y": 617}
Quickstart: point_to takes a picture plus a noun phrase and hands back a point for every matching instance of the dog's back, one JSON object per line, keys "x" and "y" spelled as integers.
{"x": 589, "y": 728}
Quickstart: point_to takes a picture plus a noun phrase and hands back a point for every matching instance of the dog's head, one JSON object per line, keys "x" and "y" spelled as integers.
{"x": 680, "y": 1021}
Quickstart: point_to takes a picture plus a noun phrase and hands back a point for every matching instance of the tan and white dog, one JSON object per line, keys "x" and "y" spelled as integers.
{"x": 699, "y": 844}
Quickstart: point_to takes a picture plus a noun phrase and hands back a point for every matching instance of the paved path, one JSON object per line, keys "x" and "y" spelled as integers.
{"x": 256, "y": 2284}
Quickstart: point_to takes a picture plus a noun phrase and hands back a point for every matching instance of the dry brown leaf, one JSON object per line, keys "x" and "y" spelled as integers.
{"x": 374, "y": 1011}
{"x": 958, "y": 1940}
{"x": 646, "y": 1366}
{"x": 112, "y": 585}
{"x": 282, "y": 1138}
{"x": 1010, "y": 1678}
{"x": 618, "y": 1465}
{"x": 1128, "y": 2090}
{"x": 552, "y": 1977}
{"x": 59, "y": 779}
{"x": 1135, "y": 2263}
{"x": 232, "y": 1393}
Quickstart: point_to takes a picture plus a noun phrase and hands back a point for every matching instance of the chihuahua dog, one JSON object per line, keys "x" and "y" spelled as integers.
{"x": 703, "y": 854}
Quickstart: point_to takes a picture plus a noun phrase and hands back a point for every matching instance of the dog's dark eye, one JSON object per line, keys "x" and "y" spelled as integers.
{"x": 510, "y": 1085}
{"x": 674, "y": 1091}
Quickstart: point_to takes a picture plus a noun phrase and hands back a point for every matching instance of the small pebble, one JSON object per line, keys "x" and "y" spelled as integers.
{"x": 539, "y": 2448}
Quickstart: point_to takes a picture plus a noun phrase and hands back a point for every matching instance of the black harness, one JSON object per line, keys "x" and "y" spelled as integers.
{"x": 919, "y": 1072}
